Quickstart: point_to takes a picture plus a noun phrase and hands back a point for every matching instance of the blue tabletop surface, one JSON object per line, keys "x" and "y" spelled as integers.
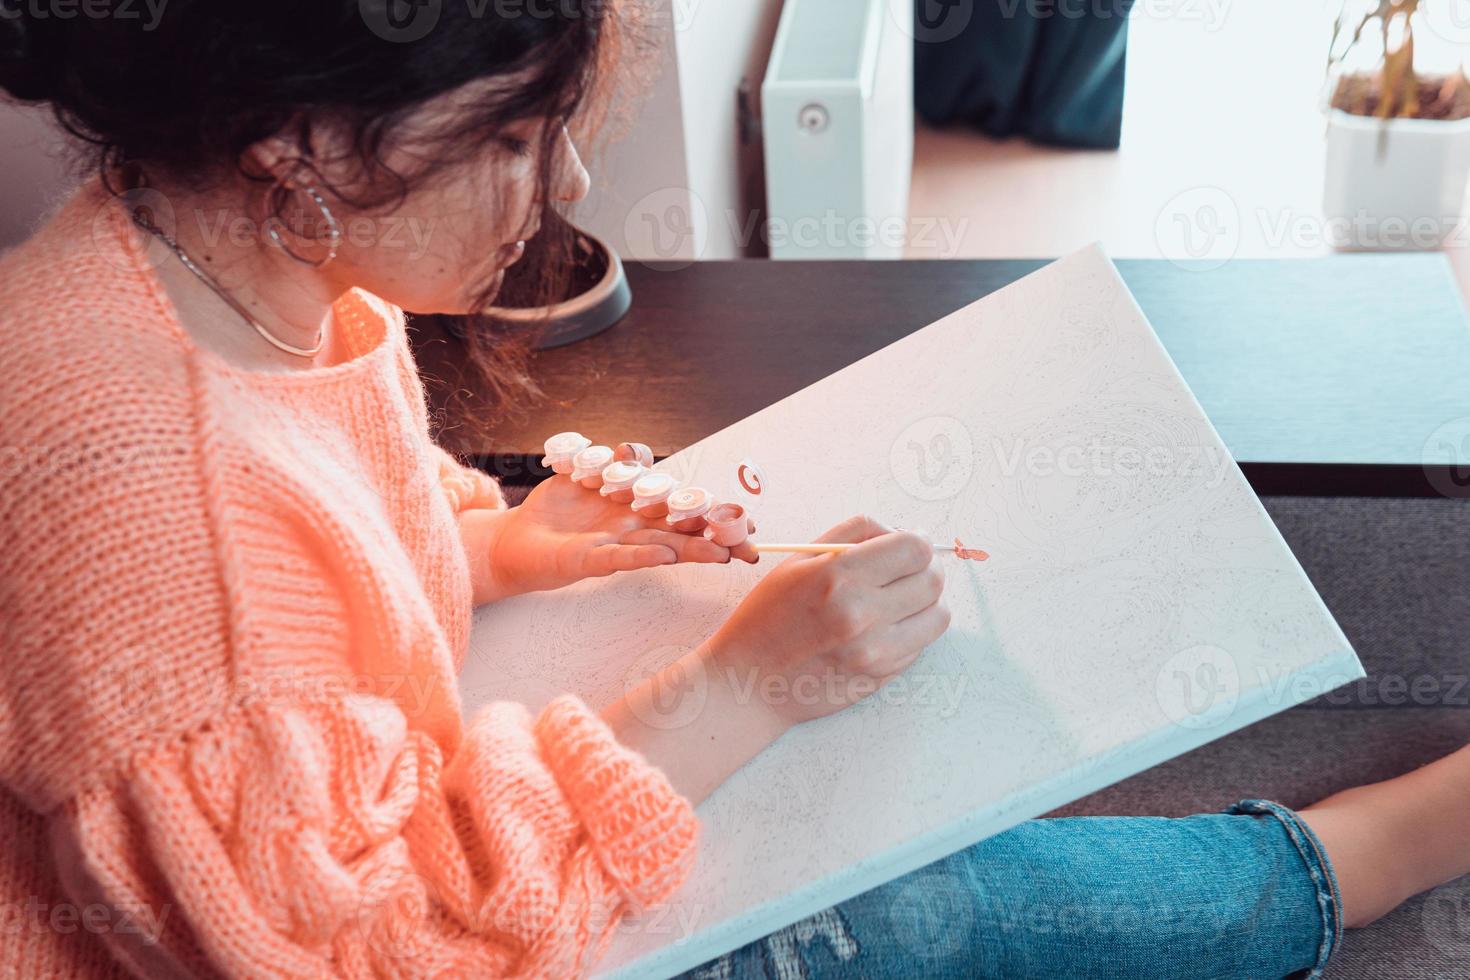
{"x": 1344, "y": 359}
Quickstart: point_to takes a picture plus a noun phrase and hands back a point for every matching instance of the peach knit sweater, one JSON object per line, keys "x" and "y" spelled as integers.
{"x": 232, "y": 608}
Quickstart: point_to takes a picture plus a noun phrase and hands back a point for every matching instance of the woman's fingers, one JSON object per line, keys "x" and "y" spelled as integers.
{"x": 911, "y": 594}
{"x": 853, "y": 530}
{"x": 688, "y": 547}
{"x": 608, "y": 558}
{"x": 745, "y": 551}
{"x": 884, "y": 559}
{"x": 906, "y": 639}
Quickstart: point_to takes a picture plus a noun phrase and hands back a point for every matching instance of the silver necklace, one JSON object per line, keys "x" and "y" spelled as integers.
{"x": 146, "y": 223}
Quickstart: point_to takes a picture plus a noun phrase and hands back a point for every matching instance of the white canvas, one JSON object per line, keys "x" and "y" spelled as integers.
{"x": 1138, "y": 603}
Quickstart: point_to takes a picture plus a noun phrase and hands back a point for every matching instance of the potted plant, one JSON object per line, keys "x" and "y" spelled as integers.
{"x": 1398, "y": 134}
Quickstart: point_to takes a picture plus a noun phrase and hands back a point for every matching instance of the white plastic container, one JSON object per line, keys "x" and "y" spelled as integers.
{"x": 587, "y": 466}
{"x": 618, "y": 478}
{"x": 687, "y": 507}
{"x": 651, "y": 494}
{"x": 560, "y": 449}
{"x": 1394, "y": 184}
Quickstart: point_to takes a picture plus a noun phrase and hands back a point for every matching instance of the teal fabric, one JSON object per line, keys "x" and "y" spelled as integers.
{"x": 1047, "y": 70}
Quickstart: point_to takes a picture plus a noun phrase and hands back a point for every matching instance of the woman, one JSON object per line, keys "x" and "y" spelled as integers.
{"x": 237, "y": 574}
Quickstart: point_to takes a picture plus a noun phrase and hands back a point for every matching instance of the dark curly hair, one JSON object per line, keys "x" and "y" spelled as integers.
{"x": 186, "y": 86}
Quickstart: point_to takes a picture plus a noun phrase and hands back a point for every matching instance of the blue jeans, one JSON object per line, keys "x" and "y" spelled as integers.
{"x": 1244, "y": 893}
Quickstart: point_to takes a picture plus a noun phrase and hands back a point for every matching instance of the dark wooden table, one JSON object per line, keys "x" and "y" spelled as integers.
{"x": 1323, "y": 376}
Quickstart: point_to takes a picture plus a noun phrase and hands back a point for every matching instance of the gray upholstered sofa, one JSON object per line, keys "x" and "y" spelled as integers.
{"x": 1396, "y": 574}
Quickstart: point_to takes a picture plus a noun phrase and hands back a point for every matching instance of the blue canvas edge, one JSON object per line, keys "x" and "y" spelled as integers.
{"x": 1065, "y": 787}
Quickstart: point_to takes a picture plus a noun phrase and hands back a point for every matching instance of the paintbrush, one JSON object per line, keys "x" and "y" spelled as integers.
{"x": 819, "y": 547}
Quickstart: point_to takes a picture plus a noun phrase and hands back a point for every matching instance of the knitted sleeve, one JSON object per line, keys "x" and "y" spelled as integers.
{"x": 331, "y": 840}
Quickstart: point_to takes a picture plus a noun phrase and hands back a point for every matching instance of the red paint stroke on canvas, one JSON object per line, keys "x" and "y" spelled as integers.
{"x": 973, "y": 554}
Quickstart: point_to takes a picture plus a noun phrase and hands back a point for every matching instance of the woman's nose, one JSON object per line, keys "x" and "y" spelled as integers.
{"x": 572, "y": 180}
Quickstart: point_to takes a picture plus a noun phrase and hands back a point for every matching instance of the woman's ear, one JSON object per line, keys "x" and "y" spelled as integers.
{"x": 301, "y": 154}
{"x": 281, "y": 159}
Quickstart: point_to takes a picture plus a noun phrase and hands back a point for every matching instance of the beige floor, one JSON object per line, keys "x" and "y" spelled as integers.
{"x": 1222, "y": 141}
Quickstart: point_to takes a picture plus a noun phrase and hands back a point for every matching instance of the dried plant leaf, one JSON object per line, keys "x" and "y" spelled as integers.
{"x": 1397, "y": 83}
{"x": 1394, "y": 89}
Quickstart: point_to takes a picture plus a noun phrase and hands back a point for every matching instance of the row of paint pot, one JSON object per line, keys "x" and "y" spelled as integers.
{"x": 624, "y": 475}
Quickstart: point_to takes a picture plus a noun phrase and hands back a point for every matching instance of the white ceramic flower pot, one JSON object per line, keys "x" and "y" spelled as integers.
{"x": 1393, "y": 185}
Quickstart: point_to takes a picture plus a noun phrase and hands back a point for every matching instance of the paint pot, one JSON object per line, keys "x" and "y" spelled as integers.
{"x": 687, "y": 507}
{"x": 651, "y": 494}
{"x": 634, "y": 451}
{"x": 587, "y": 466}
{"x": 560, "y": 449}
{"x": 728, "y": 525}
{"x": 618, "y": 478}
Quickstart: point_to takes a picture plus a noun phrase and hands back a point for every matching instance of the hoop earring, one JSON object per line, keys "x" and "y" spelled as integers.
{"x": 334, "y": 233}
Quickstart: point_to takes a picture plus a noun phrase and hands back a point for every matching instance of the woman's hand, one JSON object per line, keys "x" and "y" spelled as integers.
{"x": 821, "y": 632}
{"x": 564, "y": 532}
{"x": 815, "y": 635}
